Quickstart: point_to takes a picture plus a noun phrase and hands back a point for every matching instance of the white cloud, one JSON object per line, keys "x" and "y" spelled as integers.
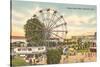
{"x": 17, "y": 14}
{"x": 17, "y": 31}
{"x": 79, "y": 20}
{"x": 72, "y": 20}
{"x": 35, "y": 10}
{"x": 74, "y": 31}
{"x": 23, "y": 16}
{"x": 76, "y": 25}
{"x": 19, "y": 19}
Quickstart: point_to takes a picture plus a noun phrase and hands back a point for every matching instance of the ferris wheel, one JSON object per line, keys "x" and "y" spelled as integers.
{"x": 55, "y": 24}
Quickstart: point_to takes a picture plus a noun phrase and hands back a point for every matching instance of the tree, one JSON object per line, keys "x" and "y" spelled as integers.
{"x": 34, "y": 32}
{"x": 18, "y": 44}
{"x": 79, "y": 41}
{"x": 87, "y": 45}
{"x": 53, "y": 56}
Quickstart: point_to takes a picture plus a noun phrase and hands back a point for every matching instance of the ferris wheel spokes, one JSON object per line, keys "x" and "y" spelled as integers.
{"x": 58, "y": 36}
{"x": 42, "y": 16}
{"x": 59, "y": 25}
{"x": 55, "y": 22}
{"x": 54, "y": 25}
{"x": 52, "y": 18}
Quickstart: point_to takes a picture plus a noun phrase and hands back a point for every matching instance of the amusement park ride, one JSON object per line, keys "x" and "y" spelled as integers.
{"x": 55, "y": 27}
{"x": 55, "y": 24}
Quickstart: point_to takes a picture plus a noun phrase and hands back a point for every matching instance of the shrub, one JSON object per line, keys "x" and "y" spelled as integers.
{"x": 53, "y": 56}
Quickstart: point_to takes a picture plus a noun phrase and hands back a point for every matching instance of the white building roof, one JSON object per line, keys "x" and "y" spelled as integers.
{"x": 30, "y": 50}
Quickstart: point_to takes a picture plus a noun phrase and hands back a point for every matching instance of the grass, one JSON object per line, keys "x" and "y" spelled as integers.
{"x": 82, "y": 51}
{"x": 17, "y": 61}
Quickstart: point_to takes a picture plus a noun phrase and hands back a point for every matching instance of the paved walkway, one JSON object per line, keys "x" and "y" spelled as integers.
{"x": 86, "y": 57}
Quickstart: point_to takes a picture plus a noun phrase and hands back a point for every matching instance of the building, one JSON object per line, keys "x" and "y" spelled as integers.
{"x": 30, "y": 50}
{"x": 93, "y": 44}
{"x": 33, "y": 55}
{"x": 17, "y": 41}
{"x": 18, "y": 38}
{"x": 91, "y": 39}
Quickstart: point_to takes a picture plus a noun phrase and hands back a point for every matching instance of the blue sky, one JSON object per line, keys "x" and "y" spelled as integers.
{"x": 81, "y": 19}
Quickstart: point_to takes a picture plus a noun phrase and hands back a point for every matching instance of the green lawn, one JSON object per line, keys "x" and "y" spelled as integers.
{"x": 82, "y": 51}
{"x": 17, "y": 61}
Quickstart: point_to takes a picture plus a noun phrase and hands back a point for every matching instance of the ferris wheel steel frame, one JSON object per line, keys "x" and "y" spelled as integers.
{"x": 50, "y": 19}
